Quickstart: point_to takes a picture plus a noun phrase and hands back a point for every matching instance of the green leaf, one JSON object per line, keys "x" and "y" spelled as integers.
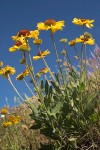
{"x": 42, "y": 84}
{"x": 57, "y": 78}
{"x": 56, "y": 87}
{"x": 47, "y": 101}
{"x": 37, "y": 126}
{"x": 95, "y": 117}
{"x": 31, "y": 105}
{"x": 50, "y": 90}
{"x": 49, "y": 133}
{"x": 46, "y": 87}
{"x": 57, "y": 108}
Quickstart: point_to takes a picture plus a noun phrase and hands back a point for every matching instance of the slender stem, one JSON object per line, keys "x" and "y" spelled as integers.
{"x": 31, "y": 73}
{"x": 81, "y": 61}
{"x": 55, "y": 49}
{"x": 9, "y": 79}
{"x": 54, "y": 45}
{"x": 49, "y": 69}
{"x": 77, "y": 52}
{"x": 47, "y": 66}
{"x": 28, "y": 87}
{"x": 67, "y": 56}
{"x": 36, "y": 86}
{"x": 85, "y": 58}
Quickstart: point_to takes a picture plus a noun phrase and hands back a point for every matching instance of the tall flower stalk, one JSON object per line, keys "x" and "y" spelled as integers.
{"x": 9, "y": 79}
{"x": 57, "y": 57}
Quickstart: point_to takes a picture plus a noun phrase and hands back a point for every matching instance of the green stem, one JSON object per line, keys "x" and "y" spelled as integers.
{"x": 54, "y": 45}
{"x": 77, "y": 53}
{"x": 67, "y": 57}
{"x": 31, "y": 73}
{"x": 31, "y": 63}
{"x": 47, "y": 66}
{"x": 9, "y": 79}
{"x": 28, "y": 87}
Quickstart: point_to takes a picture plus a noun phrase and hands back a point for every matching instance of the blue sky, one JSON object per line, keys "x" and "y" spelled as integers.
{"x": 25, "y": 14}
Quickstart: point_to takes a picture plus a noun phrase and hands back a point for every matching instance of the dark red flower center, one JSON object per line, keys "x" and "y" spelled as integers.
{"x": 42, "y": 69}
{"x": 83, "y": 19}
{"x": 23, "y": 32}
{"x": 50, "y": 22}
{"x": 18, "y": 43}
{"x": 39, "y": 53}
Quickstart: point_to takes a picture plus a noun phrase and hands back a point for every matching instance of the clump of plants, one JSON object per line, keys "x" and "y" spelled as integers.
{"x": 67, "y": 107}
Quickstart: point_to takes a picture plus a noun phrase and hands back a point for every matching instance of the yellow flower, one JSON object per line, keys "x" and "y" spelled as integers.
{"x": 23, "y": 46}
{"x": 7, "y": 70}
{"x": 23, "y": 32}
{"x": 72, "y": 43}
{"x": 20, "y": 77}
{"x": 34, "y": 34}
{"x": 6, "y": 124}
{"x": 51, "y": 24}
{"x": 4, "y": 111}
{"x": 42, "y": 71}
{"x": 37, "y": 41}
{"x": 26, "y": 72}
{"x": 13, "y": 48}
{"x": 83, "y": 22}
{"x": 22, "y": 35}
{"x": 90, "y": 41}
{"x": 14, "y": 119}
{"x": 85, "y": 40}
{"x": 11, "y": 118}
{"x": 41, "y": 54}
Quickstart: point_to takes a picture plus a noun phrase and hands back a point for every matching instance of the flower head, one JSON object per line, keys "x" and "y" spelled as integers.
{"x": 6, "y": 124}
{"x": 85, "y": 40}
{"x": 22, "y": 46}
{"x": 41, "y": 54}
{"x": 22, "y": 75}
{"x": 4, "y": 111}
{"x": 83, "y": 22}
{"x": 34, "y": 34}
{"x": 37, "y": 41}
{"x": 26, "y": 34}
{"x": 72, "y": 43}
{"x": 21, "y": 40}
{"x": 42, "y": 71}
{"x": 51, "y": 24}
{"x": 64, "y": 40}
{"x": 7, "y": 70}
{"x": 23, "y": 33}
{"x": 14, "y": 119}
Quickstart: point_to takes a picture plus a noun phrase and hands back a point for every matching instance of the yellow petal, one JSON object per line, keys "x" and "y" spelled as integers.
{"x": 36, "y": 57}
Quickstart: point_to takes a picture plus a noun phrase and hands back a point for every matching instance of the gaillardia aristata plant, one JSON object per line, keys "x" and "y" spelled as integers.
{"x": 67, "y": 109}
